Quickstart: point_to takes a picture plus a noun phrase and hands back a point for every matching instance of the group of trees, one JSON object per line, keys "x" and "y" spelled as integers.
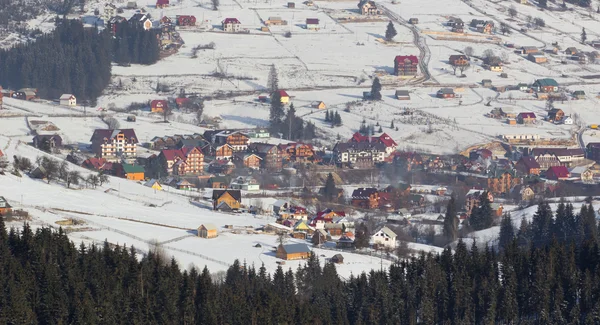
{"x": 563, "y": 226}
{"x": 46, "y": 279}
{"x": 333, "y": 118}
{"x": 289, "y": 125}
{"x": 133, "y": 44}
{"x": 53, "y": 170}
{"x": 71, "y": 59}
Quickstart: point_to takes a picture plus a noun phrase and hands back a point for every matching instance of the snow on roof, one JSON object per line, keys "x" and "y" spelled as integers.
{"x": 66, "y": 96}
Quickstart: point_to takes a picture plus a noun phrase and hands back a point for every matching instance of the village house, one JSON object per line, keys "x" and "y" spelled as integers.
{"x": 68, "y": 100}
{"x": 218, "y": 181}
{"x": 245, "y": 183}
{"x": 384, "y": 138}
{"x": 558, "y": 173}
{"x": 158, "y": 106}
{"x": 529, "y": 49}
{"x": 345, "y": 242}
{"x": 109, "y": 11}
{"x": 221, "y": 166}
{"x": 284, "y": 97}
{"x": 47, "y": 141}
{"x": 231, "y": 25}
{"x": 98, "y": 164}
{"x": 571, "y": 51}
{"x": 153, "y": 184}
{"x": 555, "y": 115}
{"x": 458, "y": 60}
{"x": 593, "y": 151}
{"x": 226, "y": 200}
{"x": 525, "y": 193}
{"x": 293, "y": 251}
{"x": 184, "y": 161}
{"x": 485, "y": 28}
{"x": 402, "y": 95}
{"x": 162, "y": 4}
{"x": 5, "y": 208}
{"x": 546, "y": 85}
{"x": 413, "y": 21}
{"x": 184, "y": 185}
{"x": 579, "y": 94}
{"x": 406, "y": 65}
{"x": 486, "y": 83}
{"x": 237, "y": 140}
{"x": 320, "y": 237}
{"x": 298, "y": 152}
{"x": 140, "y": 20}
{"x": 312, "y": 24}
{"x": 567, "y": 120}
{"x": 384, "y": 238}
{"x": 548, "y": 157}
{"x": 269, "y": 153}
{"x": 207, "y": 230}
{"x": 368, "y": 7}
{"x": 362, "y": 154}
{"x": 472, "y": 199}
{"x": 365, "y": 198}
{"x": 526, "y": 118}
{"x": 445, "y": 93}
{"x": 528, "y": 166}
{"x": 129, "y": 171}
{"x": 455, "y": 22}
{"x": 318, "y": 105}
{"x": 537, "y": 58}
{"x": 246, "y": 160}
{"x": 114, "y": 145}
{"x": 502, "y": 181}
{"x": 185, "y": 20}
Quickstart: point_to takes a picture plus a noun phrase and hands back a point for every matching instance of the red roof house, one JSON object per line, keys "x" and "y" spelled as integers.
{"x": 162, "y": 3}
{"x": 158, "y": 105}
{"x": 231, "y": 21}
{"x": 186, "y": 20}
{"x": 526, "y": 117}
{"x": 181, "y": 102}
{"x": 386, "y": 140}
{"x": 406, "y": 65}
{"x": 557, "y": 173}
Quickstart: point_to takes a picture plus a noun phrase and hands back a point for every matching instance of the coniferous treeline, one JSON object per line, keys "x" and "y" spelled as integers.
{"x": 45, "y": 279}
{"x": 71, "y": 59}
{"x": 133, "y": 44}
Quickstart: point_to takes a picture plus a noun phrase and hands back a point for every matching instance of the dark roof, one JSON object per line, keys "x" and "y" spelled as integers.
{"x": 296, "y": 248}
{"x": 348, "y": 146}
{"x": 260, "y": 147}
{"x": 457, "y": 57}
{"x": 401, "y": 58}
{"x": 529, "y": 162}
{"x": 526, "y": 115}
{"x": 363, "y": 192}
{"x": 231, "y": 21}
{"x": 40, "y": 137}
{"x": 559, "y": 152}
{"x": 100, "y": 134}
{"x": 312, "y": 21}
{"x": 236, "y": 194}
{"x": 558, "y": 171}
{"x": 133, "y": 168}
{"x": 546, "y": 82}
{"x": 446, "y": 91}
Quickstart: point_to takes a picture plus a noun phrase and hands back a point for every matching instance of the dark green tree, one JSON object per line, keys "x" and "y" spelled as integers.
{"x": 507, "y": 232}
{"x": 330, "y": 190}
{"x": 390, "y": 32}
{"x": 451, "y": 220}
{"x": 376, "y": 90}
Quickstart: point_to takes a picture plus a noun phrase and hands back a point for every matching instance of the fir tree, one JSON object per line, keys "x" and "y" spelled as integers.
{"x": 507, "y": 232}
{"x": 276, "y": 113}
{"x": 376, "y": 90}
{"x": 273, "y": 80}
{"x": 583, "y": 35}
{"x": 390, "y": 32}
{"x": 451, "y": 220}
{"x": 482, "y": 215}
{"x": 330, "y": 190}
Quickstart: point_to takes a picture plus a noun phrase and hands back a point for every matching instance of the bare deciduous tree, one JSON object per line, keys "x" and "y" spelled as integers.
{"x": 469, "y": 51}
{"x": 112, "y": 123}
{"x": 512, "y": 11}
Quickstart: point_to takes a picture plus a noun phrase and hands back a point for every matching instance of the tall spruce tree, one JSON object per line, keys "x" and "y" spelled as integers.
{"x": 451, "y": 220}
{"x": 482, "y": 215}
{"x": 376, "y": 90}
{"x": 507, "y": 232}
{"x": 330, "y": 190}
{"x": 390, "y": 32}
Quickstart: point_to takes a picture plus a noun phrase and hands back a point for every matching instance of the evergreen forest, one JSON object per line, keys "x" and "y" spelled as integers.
{"x": 535, "y": 278}
{"x": 75, "y": 60}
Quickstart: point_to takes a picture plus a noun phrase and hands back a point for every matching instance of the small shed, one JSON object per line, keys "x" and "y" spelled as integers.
{"x": 337, "y": 259}
{"x": 68, "y": 100}
{"x": 413, "y": 21}
{"x": 402, "y": 95}
{"x": 291, "y": 5}
{"x": 318, "y": 104}
{"x": 131, "y": 118}
{"x": 207, "y": 230}
{"x": 486, "y": 83}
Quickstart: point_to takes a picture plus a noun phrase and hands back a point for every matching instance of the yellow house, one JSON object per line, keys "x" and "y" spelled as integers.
{"x": 285, "y": 98}
{"x": 207, "y": 230}
{"x": 133, "y": 172}
{"x": 154, "y": 184}
{"x": 226, "y": 200}
{"x": 496, "y": 68}
{"x": 302, "y": 226}
{"x": 318, "y": 105}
